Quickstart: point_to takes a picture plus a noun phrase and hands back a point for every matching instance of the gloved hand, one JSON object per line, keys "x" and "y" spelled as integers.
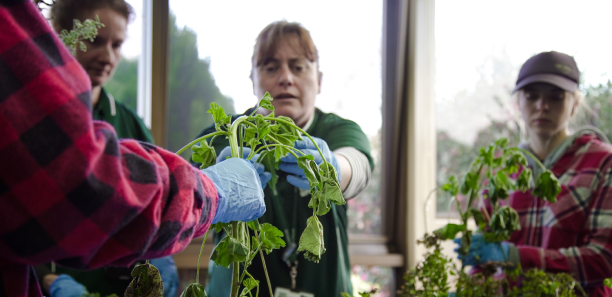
{"x": 241, "y": 197}
{"x": 264, "y": 176}
{"x": 289, "y": 162}
{"x": 169, "y": 274}
{"x": 65, "y": 286}
{"x": 485, "y": 251}
{"x": 452, "y": 294}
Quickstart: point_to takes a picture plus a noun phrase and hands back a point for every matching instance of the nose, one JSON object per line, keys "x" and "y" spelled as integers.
{"x": 542, "y": 103}
{"x": 107, "y": 55}
{"x": 286, "y": 76}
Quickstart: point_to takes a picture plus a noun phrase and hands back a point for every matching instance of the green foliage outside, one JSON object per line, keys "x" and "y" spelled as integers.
{"x": 191, "y": 87}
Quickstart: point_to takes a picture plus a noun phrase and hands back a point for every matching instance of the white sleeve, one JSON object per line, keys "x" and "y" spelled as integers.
{"x": 361, "y": 171}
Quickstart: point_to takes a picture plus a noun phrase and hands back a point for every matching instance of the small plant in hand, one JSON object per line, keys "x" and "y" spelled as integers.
{"x": 269, "y": 138}
{"x": 497, "y": 171}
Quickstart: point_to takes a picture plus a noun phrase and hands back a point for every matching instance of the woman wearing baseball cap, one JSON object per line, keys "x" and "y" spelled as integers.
{"x": 573, "y": 234}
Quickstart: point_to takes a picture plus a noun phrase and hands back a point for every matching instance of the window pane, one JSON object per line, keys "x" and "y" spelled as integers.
{"x": 366, "y": 278}
{"x": 211, "y": 62}
{"x": 124, "y": 83}
{"x": 480, "y": 47}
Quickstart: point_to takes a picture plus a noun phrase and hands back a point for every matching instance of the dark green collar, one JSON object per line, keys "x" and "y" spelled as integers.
{"x": 106, "y": 107}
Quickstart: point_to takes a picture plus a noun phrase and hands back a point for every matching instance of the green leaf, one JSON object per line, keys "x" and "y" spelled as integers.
{"x": 318, "y": 201}
{"x": 204, "y": 154}
{"x": 263, "y": 126}
{"x": 266, "y": 102}
{"x": 311, "y": 171}
{"x": 146, "y": 282}
{"x": 608, "y": 282}
{"x": 267, "y": 158}
{"x": 250, "y": 133}
{"x": 254, "y": 225}
{"x": 450, "y": 231}
{"x": 250, "y": 283}
{"x": 229, "y": 250}
{"x": 221, "y": 226}
{"x": 219, "y": 116}
{"x": 452, "y": 187}
{"x": 470, "y": 182}
{"x": 479, "y": 218}
{"x": 311, "y": 241}
{"x": 271, "y": 238}
{"x": 331, "y": 192}
{"x": 524, "y": 179}
{"x": 194, "y": 290}
{"x": 466, "y": 242}
{"x": 547, "y": 186}
{"x": 253, "y": 143}
{"x": 503, "y": 223}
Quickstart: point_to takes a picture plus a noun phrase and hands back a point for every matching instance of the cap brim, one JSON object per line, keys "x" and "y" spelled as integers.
{"x": 553, "y": 79}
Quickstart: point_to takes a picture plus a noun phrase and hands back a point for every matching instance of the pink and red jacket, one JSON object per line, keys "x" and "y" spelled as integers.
{"x": 70, "y": 191}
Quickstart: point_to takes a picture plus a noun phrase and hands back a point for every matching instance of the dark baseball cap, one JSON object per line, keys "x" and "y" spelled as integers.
{"x": 555, "y": 68}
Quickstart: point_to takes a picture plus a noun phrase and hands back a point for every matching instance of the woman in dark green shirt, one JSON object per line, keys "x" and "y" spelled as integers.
{"x": 285, "y": 63}
{"x": 100, "y": 61}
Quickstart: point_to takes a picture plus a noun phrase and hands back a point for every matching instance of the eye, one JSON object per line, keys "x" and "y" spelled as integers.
{"x": 531, "y": 94}
{"x": 298, "y": 68}
{"x": 117, "y": 45}
{"x": 557, "y": 96}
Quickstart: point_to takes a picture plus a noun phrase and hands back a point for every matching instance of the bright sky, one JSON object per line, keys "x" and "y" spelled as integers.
{"x": 467, "y": 32}
{"x": 348, "y": 36}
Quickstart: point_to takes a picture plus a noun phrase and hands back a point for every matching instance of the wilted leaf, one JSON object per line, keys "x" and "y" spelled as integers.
{"x": 146, "y": 282}
{"x": 204, "y": 154}
{"x": 311, "y": 241}
{"x": 194, "y": 290}
{"x": 547, "y": 186}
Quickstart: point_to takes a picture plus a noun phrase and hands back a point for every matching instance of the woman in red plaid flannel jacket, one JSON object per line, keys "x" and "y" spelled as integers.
{"x": 573, "y": 234}
{"x": 70, "y": 191}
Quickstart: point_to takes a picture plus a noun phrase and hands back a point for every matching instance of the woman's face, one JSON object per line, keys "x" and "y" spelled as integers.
{"x": 103, "y": 54}
{"x": 546, "y": 109}
{"x": 292, "y": 80}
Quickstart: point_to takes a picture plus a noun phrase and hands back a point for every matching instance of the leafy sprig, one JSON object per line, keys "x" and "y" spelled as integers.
{"x": 271, "y": 138}
{"x": 87, "y": 30}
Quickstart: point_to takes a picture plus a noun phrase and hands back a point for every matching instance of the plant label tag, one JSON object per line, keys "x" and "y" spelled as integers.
{"x": 284, "y": 292}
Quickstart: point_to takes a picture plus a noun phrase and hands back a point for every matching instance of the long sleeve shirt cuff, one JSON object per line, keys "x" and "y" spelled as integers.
{"x": 361, "y": 171}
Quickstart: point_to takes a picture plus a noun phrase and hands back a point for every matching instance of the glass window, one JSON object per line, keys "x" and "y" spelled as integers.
{"x": 124, "y": 83}
{"x": 210, "y": 61}
{"x": 480, "y": 47}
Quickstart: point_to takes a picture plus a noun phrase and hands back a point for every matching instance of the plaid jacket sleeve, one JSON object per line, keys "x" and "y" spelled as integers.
{"x": 70, "y": 192}
{"x": 589, "y": 258}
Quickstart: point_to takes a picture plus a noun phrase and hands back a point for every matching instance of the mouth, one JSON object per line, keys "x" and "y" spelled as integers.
{"x": 282, "y": 96}
{"x": 541, "y": 121}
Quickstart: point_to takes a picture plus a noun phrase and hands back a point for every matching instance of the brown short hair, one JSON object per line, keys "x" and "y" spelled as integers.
{"x": 63, "y": 12}
{"x": 269, "y": 37}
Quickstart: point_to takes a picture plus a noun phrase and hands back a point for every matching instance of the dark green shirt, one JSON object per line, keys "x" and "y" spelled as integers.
{"x": 126, "y": 122}
{"x": 288, "y": 211}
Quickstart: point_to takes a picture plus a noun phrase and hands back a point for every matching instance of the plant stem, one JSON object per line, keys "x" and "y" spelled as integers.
{"x": 263, "y": 261}
{"x": 534, "y": 158}
{"x": 200, "y": 257}
{"x": 200, "y": 139}
{"x": 299, "y": 129}
{"x": 279, "y": 144}
{"x": 233, "y": 139}
{"x": 236, "y": 265}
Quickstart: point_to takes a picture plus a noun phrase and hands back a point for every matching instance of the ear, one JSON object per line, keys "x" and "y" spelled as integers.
{"x": 319, "y": 84}
{"x": 575, "y": 105}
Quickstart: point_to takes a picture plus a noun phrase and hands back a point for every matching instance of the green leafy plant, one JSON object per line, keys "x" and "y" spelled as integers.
{"x": 497, "y": 171}
{"x": 271, "y": 138}
{"x": 87, "y": 30}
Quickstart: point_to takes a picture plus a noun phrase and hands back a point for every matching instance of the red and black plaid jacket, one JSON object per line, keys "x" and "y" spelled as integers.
{"x": 574, "y": 234}
{"x": 70, "y": 192}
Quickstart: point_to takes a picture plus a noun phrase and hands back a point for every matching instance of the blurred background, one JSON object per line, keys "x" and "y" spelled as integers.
{"x": 479, "y": 48}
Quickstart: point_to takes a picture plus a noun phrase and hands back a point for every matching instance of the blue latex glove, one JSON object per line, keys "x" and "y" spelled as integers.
{"x": 169, "y": 274}
{"x": 65, "y": 286}
{"x": 264, "y": 176}
{"x": 241, "y": 197}
{"x": 452, "y": 294}
{"x": 289, "y": 162}
{"x": 487, "y": 251}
